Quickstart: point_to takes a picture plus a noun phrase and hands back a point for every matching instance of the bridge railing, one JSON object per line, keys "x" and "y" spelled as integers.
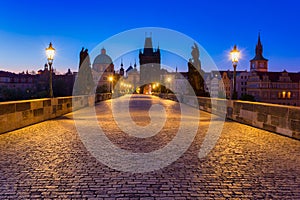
{"x": 18, "y": 114}
{"x": 281, "y": 119}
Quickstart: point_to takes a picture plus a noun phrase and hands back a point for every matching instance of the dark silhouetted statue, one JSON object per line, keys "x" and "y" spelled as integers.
{"x": 195, "y": 73}
{"x": 81, "y": 57}
{"x": 84, "y": 84}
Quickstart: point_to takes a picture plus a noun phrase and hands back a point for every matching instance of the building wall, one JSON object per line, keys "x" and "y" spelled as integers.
{"x": 149, "y": 59}
{"x": 101, "y": 77}
{"x": 225, "y": 85}
{"x": 242, "y": 81}
{"x": 283, "y": 91}
{"x": 133, "y": 78}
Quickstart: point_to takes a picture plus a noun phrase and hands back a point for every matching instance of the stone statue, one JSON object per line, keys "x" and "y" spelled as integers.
{"x": 195, "y": 74}
{"x": 196, "y": 54}
{"x": 84, "y": 84}
{"x": 81, "y": 57}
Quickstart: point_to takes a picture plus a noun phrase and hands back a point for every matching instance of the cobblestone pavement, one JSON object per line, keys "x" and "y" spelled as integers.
{"x": 49, "y": 161}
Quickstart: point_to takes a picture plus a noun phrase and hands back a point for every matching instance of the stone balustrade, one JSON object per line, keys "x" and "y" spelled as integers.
{"x": 284, "y": 120}
{"x": 280, "y": 119}
{"x": 18, "y": 114}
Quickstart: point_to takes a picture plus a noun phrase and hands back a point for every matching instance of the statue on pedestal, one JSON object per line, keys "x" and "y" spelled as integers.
{"x": 195, "y": 73}
{"x": 84, "y": 84}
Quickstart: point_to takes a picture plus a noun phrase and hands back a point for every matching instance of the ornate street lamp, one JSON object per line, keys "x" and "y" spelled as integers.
{"x": 235, "y": 54}
{"x": 111, "y": 79}
{"x": 50, "y": 52}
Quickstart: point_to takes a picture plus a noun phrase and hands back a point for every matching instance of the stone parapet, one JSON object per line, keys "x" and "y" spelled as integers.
{"x": 284, "y": 120}
{"x": 18, "y": 114}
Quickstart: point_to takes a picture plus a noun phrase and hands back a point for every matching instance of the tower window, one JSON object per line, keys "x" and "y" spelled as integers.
{"x": 289, "y": 95}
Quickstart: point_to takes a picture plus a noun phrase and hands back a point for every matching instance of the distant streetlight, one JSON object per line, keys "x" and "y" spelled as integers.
{"x": 159, "y": 88}
{"x": 111, "y": 82}
{"x": 235, "y": 54}
{"x": 154, "y": 85}
{"x": 169, "y": 83}
{"x": 50, "y": 52}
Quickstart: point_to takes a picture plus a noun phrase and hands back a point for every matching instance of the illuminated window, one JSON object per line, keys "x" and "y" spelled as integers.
{"x": 289, "y": 95}
{"x": 279, "y": 95}
{"x": 283, "y": 94}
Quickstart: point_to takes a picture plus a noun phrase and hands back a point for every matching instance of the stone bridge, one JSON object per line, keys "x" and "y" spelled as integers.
{"x": 57, "y": 159}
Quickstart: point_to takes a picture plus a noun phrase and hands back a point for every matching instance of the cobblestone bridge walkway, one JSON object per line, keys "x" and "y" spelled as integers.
{"x": 49, "y": 161}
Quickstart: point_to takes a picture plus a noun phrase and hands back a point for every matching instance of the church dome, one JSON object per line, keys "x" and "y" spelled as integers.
{"x": 102, "y": 58}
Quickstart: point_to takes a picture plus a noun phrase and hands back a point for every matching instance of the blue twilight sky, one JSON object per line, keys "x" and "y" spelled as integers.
{"x": 27, "y": 27}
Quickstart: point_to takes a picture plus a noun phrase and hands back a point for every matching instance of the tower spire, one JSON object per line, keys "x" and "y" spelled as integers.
{"x": 259, "y": 63}
{"x": 121, "y": 69}
{"x": 259, "y": 47}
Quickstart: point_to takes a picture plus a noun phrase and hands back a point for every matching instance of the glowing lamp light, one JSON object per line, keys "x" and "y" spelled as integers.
{"x": 110, "y": 78}
{"x": 50, "y": 52}
{"x": 235, "y": 54}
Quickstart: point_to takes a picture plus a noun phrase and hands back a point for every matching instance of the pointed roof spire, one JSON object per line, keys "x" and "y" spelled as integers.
{"x": 259, "y": 50}
{"x": 121, "y": 62}
{"x": 259, "y": 42}
{"x": 259, "y": 47}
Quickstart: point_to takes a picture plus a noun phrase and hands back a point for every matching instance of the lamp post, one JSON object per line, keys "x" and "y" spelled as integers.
{"x": 235, "y": 53}
{"x": 50, "y": 52}
{"x": 111, "y": 81}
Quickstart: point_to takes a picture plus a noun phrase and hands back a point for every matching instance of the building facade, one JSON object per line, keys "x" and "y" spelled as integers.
{"x": 275, "y": 87}
{"x": 133, "y": 77}
{"x": 103, "y": 68}
{"x": 150, "y": 68}
{"x": 241, "y": 83}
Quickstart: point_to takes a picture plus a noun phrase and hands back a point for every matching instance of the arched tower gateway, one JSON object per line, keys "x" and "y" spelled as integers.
{"x": 149, "y": 63}
{"x": 103, "y": 68}
{"x": 259, "y": 63}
